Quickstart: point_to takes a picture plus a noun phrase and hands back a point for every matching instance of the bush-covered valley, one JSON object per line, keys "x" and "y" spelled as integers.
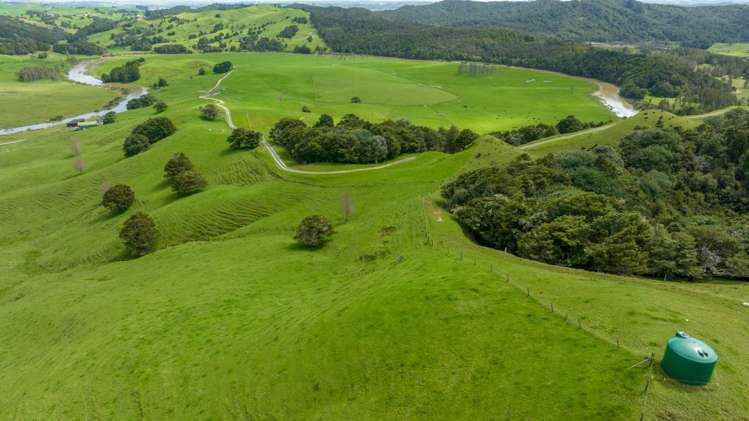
{"x": 664, "y": 202}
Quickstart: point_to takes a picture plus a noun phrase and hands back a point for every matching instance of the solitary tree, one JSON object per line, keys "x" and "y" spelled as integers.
{"x": 118, "y": 198}
{"x": 244, "y": 139}
{"x": 222, "y": 67}
{"x": 162, "y": 83}
{"x": 109, "y": 117}
{"x": 314, "y": 231}
{"x": 355, "y": 100}
{"x": 201, "y": 71}
{"x": 325, "y": 121}
{"x": 160, "y": 107}
{"x": 135, "y": 144}
{"x": 209, "y": 112}
{"x": 139, "y": 234}
{"x": 188, "y": 182}
{"x": 178, "y": 164}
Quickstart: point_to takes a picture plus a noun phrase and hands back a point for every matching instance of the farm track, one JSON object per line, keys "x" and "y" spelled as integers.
{"x": 567, "y": 136}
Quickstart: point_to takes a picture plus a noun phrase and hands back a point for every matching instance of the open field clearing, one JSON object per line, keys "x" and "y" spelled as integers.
{"x": 739, "y": 49}
{"x": 267, "y": 86}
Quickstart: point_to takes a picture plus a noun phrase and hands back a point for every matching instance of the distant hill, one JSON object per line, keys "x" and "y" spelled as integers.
{"x": 17, "y": 37}
{"x": 592, "y": 20}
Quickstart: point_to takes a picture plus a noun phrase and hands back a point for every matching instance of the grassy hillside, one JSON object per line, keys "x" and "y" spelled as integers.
{"x": 33, "y": 102}
{"x": 267, "y": 86}
{"x": 68, "y": 18}
{"x": 187, "y": 28}
{"x": 399, "y": 316}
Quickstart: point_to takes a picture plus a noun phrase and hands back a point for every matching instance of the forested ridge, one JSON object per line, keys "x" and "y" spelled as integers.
{"x": 592, "y": 20}
{"x": 664, "y": 202}
{"x": 661, "y": 74}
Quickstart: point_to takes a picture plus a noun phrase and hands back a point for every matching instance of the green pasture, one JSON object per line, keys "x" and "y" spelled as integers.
{"x": 267, "y": 86}
{"x": 34, "y": 102}
{"x": 738, "y": 49}
{"x": 269, "y": 19}
{"x": 400, "y": 316}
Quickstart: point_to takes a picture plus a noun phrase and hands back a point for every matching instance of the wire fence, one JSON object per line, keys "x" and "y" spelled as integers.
{"x": 577, "y": 321}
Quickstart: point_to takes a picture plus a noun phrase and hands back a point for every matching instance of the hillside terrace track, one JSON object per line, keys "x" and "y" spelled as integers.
{"x": 276, "y": 158}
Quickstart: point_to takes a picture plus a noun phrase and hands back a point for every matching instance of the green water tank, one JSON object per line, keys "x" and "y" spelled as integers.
{"x": 689, "y": 360}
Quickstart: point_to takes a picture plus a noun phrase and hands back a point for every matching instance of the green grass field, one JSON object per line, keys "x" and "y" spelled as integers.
{"x": 268, "y": 19}
{"x": 400, "y": 316}
{"x": 33, "y": 102}
{"x": 268, "y": 86}
{"x": 731, "y": 49}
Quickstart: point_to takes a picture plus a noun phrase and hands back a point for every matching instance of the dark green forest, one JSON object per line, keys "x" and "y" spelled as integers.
{"x": 592, "y": 20}
{"x": 664, "y": 202}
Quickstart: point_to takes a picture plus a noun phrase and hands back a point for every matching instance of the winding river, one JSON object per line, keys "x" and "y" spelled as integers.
{"x": 609, "y": 95}
{"x": 78, "y": 74}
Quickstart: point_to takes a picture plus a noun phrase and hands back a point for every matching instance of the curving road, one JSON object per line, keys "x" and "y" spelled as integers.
{"x": 276, "y": 158}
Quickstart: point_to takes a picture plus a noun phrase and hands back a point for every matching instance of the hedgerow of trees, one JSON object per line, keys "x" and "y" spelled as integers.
{"x": 354, "y": 140}
{"x": 244, "y": 139}
{"x": 664, "y": 203}
{"x": 34, "y": 73}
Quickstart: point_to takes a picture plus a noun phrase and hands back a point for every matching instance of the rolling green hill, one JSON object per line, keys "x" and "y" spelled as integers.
{"x": 222, "y": 30}
{"x": 399, "y": 316}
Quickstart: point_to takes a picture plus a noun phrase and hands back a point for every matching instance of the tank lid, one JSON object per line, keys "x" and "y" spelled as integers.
{"x": 692, "y": 349}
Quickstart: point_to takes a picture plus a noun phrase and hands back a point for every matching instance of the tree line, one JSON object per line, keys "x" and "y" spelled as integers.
{"x": 527, "y": 134}
{"x": 357, "y": 141}
{"x": 664, "y": 202}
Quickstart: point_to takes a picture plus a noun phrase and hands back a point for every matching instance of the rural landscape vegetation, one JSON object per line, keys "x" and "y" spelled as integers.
{"x": 455, "y": 210}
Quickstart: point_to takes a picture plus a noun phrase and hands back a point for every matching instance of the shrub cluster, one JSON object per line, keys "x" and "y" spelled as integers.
{"x": 354, "y": 140}
{"x": 128, "y": 72}
{"x": 662, "y": 203}
{"x": 118, "y": 198}
{"x": 146, "y": 134}
{"x": 314, "y": 231}
{"x": 289, "y": 31}
{"x": 180, "y": 173}
{"x": 244, "y": 139}
{"x": 145, "y": 101}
